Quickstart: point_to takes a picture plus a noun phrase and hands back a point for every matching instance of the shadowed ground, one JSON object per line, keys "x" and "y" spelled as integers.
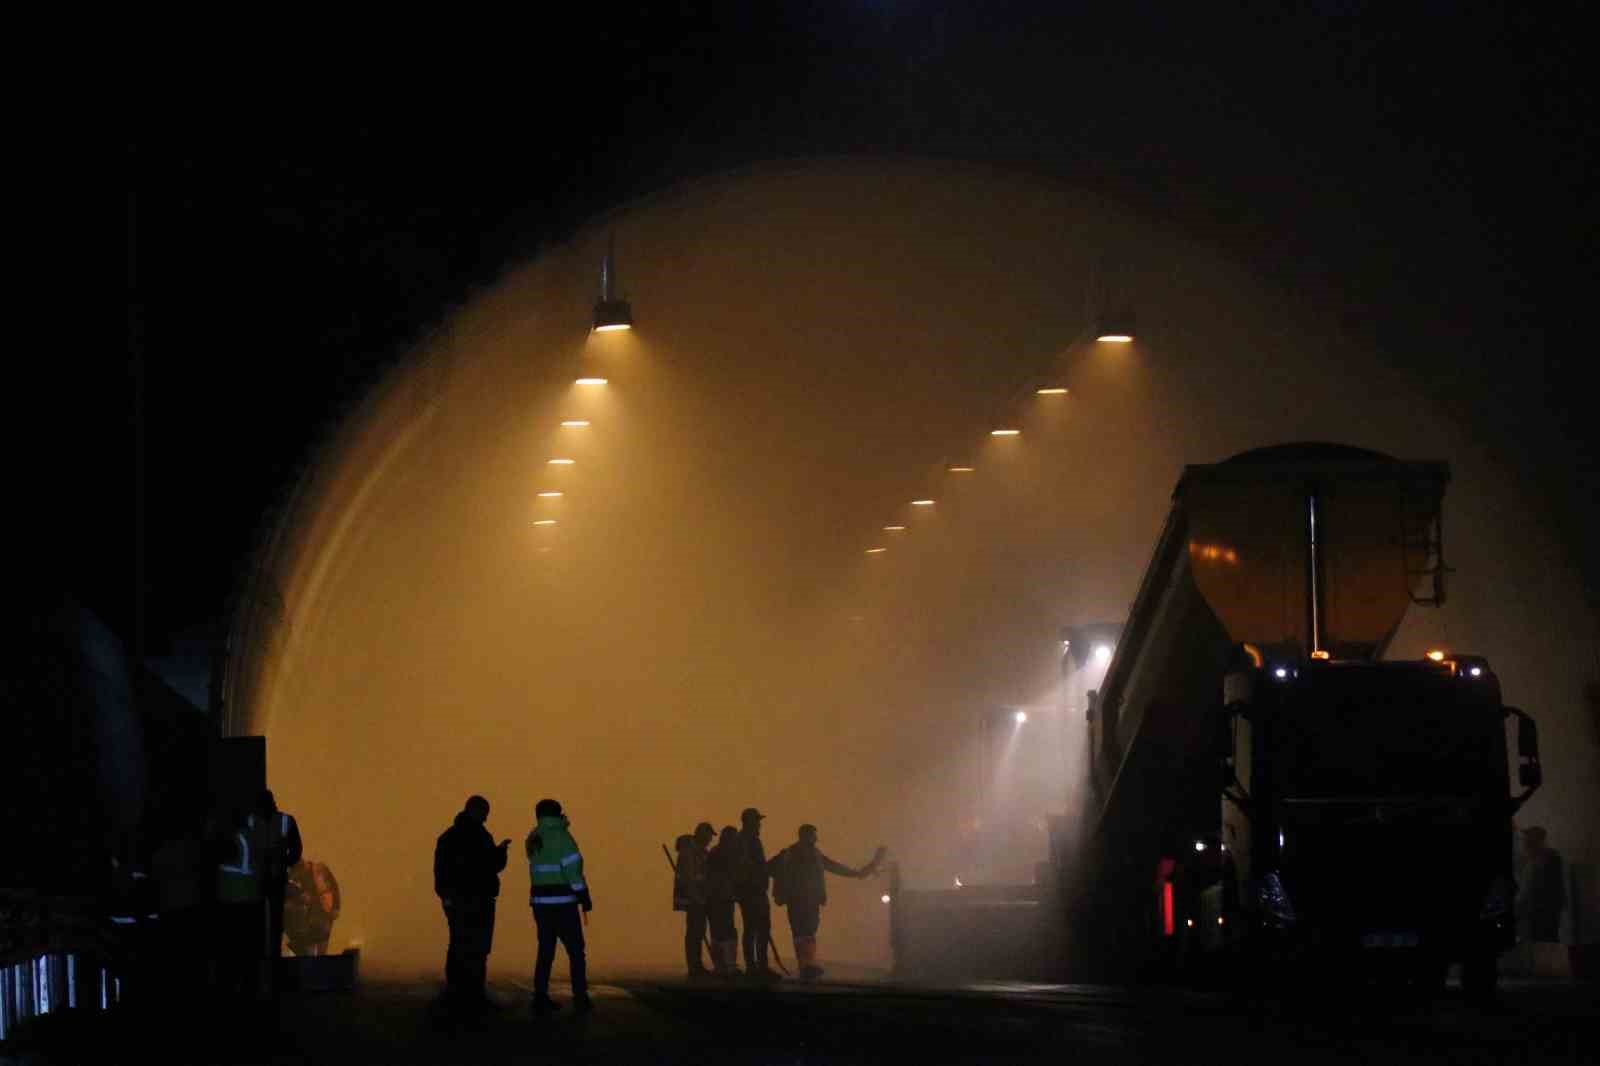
{"x": 671, "y": 1021}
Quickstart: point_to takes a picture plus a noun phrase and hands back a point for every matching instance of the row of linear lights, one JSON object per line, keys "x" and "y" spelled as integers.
{"x": 611, "y": 314}
{"x": 1111, "y": 331}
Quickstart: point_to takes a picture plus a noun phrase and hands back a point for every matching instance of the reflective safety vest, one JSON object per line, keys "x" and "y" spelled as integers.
{"x": 239, "y": 881}
{"x": 555, "y": 865}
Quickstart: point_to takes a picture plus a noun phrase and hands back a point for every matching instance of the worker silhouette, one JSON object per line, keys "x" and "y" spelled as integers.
{"x": 689, "y": 894}
{"x": 466, "y": 877}
{"x": 721, "y": 865}
{"x": 1541, "y": 889}
{"x": 275, "y": 837}
{"x": 750, "y": 880}
{"x": 798, "y": 883}
{"x": 557, "y": 889}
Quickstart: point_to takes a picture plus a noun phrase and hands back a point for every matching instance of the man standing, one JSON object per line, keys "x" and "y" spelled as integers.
{"x": 1541, "y": 893}
{"x": 466, "y": 876}
{"x": 276, "y": 839}
{"x": 750, "y": 884}
{"x": 798, "y": 883}
{"x": 689, "y": 894}
{"x": 557, "y": 891}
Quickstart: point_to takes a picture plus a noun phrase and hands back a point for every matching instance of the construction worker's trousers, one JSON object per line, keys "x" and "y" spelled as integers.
{"x": 694, "y": 931}
{"x": 559, "y": 922}
{"x": 756, "y": 914}
{"x": 466, "y": 961}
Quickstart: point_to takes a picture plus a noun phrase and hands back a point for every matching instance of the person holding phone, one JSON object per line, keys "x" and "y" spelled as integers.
{"x": 466, "y": 876}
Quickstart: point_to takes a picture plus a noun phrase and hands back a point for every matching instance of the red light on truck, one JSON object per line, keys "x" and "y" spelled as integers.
{"x": 1166, "y": 909}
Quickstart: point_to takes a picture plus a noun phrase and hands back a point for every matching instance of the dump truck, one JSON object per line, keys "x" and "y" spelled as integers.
{"x": 1267, "y": 793}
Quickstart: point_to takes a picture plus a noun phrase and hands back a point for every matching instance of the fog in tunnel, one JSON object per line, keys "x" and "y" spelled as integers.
{"x": 703, "y": 628}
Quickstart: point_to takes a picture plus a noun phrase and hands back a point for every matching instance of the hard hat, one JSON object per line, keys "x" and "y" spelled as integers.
{"x": 750, "y": 814}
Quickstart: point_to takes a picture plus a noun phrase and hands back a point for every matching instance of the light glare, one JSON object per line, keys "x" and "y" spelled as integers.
{"x": 1020, "y": 716}
{"x": 562, "y": 462}
{"x": 1004, "y": 432}
{"x": 1436, "y": 655}
{"x": 961, "y": 469}
{"x": 1102, "y": 653}
{"x": 612, "y": 327}
{"x": 545, "y": 522}
{"x": 549, "y": 495}
{"x": 922, "y": 503}
{"x": 1114, "y": 338}
{"x": 575, "y": 423}
{"x": 1053, "y": 392}
{"x": 875, "y": 551}
{"x": 591, "y": 381}
{"x": 894, "y": 529}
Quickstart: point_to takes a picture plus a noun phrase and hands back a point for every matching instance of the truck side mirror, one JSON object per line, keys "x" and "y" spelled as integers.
{"x": 1530, "y": 772}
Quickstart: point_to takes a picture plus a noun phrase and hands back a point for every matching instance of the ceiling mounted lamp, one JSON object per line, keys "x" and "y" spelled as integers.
{"x": 611, "y": 312}
{"x": 959, "y": 469}
{"x": 1117, "y": 328}
{"x": 1004, "y": 432}
{"x": 922, "y": 503}
{"x": 1053, "y": 391}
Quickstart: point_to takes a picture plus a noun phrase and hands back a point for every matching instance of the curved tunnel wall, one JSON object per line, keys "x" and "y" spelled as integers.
{"x": 702, "y": 629}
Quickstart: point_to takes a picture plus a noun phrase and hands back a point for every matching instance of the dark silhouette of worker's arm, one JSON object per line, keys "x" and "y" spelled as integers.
{"x": 292, "y": 848}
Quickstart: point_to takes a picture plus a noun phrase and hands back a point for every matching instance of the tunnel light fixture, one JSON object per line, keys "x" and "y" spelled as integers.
{"x": 1019, "y": 717}
{"x": 876, "y": 551}
{"x": 552, "y": 494}
{"x": 884, "y": 897}
{"x": 894, "y": 529}
{"x": 1436, "y": 655}
{"x": 611, "y": 311}
{"x": 575, "y": 423}
{"x": 960, "y": 469}
{"x": 1115, "y": 328}
{"x": 1199, "y": 845}
{"x": 590, "y": 381}
{"x": 1004, "y": 432}
{"x": 1102, "y": 653}
{"x": 1053, "y": 391}
{"x": 562, "y": 462}
{"x": 922, "y": 503}
{"x": 545, "y": 522}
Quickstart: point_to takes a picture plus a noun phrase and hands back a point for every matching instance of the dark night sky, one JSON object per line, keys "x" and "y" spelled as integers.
{"x": 284, "y": 249}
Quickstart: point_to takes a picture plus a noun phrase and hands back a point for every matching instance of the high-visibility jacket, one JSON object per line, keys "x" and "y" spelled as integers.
{"x": 276, "y": 838}
{"x": 239, "y": 876}
{"x": 555, "y": 865}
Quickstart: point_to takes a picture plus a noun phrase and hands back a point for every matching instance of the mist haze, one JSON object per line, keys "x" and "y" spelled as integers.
{"x": 703, "y": 628}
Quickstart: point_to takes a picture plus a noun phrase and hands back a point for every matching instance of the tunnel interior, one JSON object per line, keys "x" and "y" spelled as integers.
{"x": 696, "y": 624}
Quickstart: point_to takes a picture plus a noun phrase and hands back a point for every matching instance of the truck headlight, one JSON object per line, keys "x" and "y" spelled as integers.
{"x": 1273, "y": 900}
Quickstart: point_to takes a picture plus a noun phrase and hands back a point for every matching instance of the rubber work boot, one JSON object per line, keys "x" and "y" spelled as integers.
{"x": 727, "y": 957}
{"x": 544, "y": 1005}
{"x": 582, "y": 1004}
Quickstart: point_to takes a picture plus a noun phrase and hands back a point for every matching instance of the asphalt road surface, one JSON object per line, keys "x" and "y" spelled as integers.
{"x": 659, "y": 1020}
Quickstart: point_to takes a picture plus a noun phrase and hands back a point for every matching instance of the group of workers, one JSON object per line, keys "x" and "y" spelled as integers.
{"x": 466, "y": 876}
{"x": 708, "y": 883}
{"x": 710, "y": 880}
